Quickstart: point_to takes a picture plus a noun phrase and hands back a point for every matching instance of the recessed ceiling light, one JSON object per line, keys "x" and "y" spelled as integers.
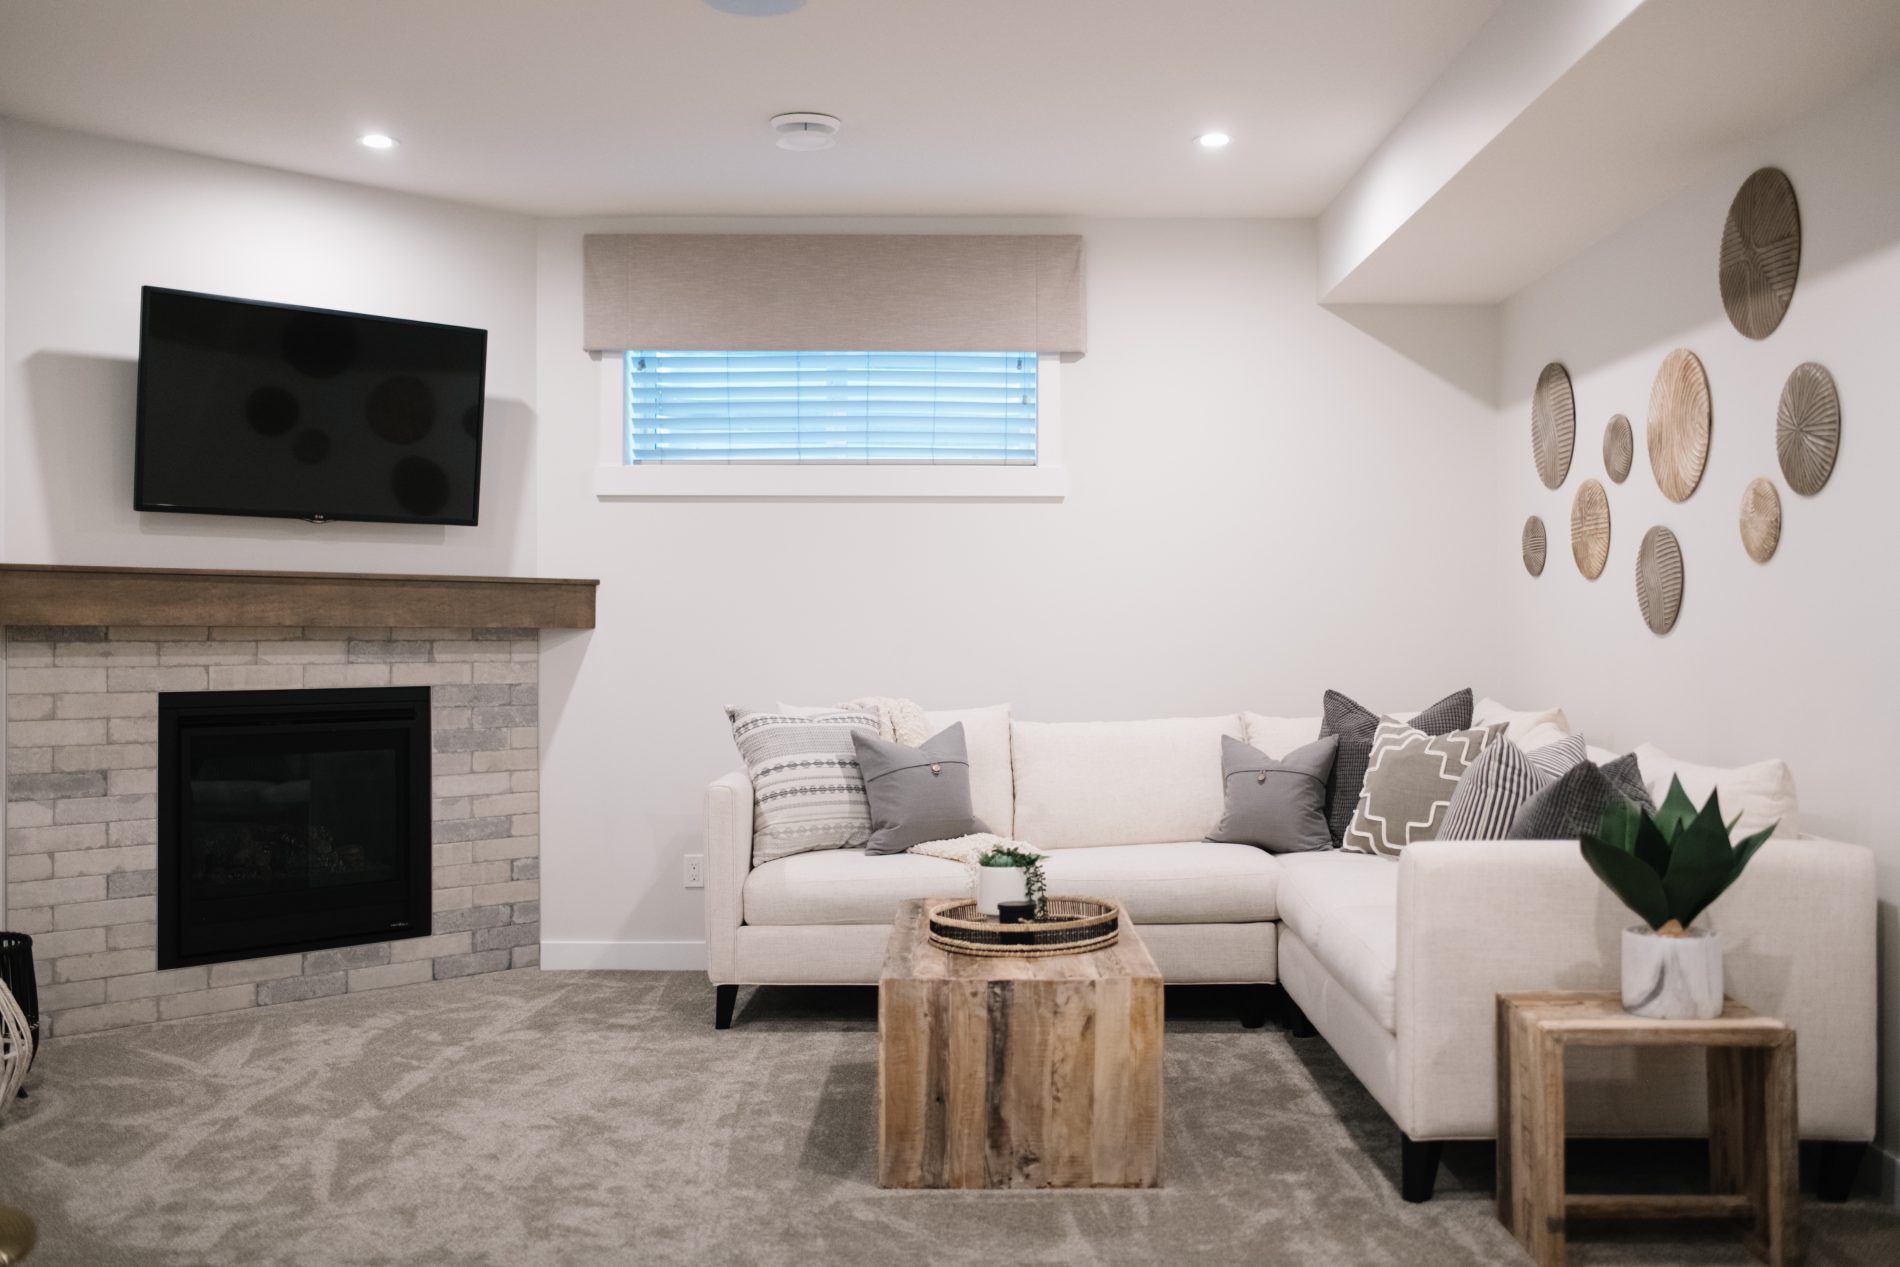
{"x": 803, "y": 130}
{"x": 376, "y": 141}
{"x": 1213, "y": 140}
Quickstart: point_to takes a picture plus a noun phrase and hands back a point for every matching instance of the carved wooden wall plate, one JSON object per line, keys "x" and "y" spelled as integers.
{"x": 1535, "y": 546}
{"x": 1761, "y": 520}
{"x": 1659, "y": 579}
{"x": 1761, "y": 253}
{"x": 1619, "y": 449}
{"x": 1553, "y": 425}
{"x": 1590, "y": 529}
{"x": 1808, "y": 428}
{"x": 1679, "y": 420}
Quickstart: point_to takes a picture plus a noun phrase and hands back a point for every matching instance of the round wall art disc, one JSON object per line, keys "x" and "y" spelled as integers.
{"x": 1678, "y": 432}
{"x": 1534, "y": 546}
{"x": 1808, "y": 428}
{"x": 1619, "y": 449}
{"x": 1553, "y": 425}
{"x": 1659, "y": 579}
{"x": 1761, "y": 253}
{"x": 1590, "y": 529}
{"x": 1761, "y": 520}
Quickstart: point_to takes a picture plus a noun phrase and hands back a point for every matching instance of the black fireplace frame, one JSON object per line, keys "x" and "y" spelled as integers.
{"x": 407, "y": 705}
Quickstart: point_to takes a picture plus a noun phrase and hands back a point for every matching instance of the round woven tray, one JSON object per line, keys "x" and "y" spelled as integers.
{"x": 1072, "y": 926}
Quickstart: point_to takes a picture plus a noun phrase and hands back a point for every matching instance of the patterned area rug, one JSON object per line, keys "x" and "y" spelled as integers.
{"x": 598, "y": 1118}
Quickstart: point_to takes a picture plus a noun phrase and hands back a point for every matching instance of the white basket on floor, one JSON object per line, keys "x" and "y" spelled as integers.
{"x": 16, "y": 1048}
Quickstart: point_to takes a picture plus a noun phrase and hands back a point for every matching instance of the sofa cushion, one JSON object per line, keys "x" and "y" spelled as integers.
{"x": 986, "y": 743}
{"x": 1527, "y": 728}
{"x": 1117, "y": 783}
{"x": 807, "y": 792}
{"x": 1277, "y": 736}
{"x": 1344, "y": 908}
{"x": 1409, "y": 784}
{"x": 1355, "y": 724}
{"x": 1762, "y": 793}
{"x": 1278, "y": 805}
{"x": 917, "y": 794}
{"x": 1190, "y": 882}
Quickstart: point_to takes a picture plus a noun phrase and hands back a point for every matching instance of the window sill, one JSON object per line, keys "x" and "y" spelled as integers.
{"x": 716, "y": 482}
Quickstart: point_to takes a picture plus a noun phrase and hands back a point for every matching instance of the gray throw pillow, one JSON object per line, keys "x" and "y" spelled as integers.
{"x": 917, "y": 794}
{"x": 1499, "y": 783}
{"x": 1278, "y": 805}
{"x": 1355, "y": 724}
{"x": 1410, "y": 779}
{"x": 1573, "y": 804}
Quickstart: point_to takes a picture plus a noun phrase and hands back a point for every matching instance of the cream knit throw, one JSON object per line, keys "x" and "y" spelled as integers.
{"x": 970, "y": 851}
{"x": 898, "y": 720}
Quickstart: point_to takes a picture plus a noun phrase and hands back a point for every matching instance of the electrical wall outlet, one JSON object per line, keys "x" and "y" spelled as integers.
{"x": 695, "y": 870}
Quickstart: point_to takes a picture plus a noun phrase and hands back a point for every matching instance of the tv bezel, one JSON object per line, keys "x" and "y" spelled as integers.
{"x": 141, "y": 504}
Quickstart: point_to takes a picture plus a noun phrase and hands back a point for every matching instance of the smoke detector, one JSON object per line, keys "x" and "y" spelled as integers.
{"x": 803, "y": 130}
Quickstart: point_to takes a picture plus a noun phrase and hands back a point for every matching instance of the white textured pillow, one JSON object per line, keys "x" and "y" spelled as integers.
{"x": 1527, "y": 728}
{"x": 986, "y": 738}
{"x": 1277, "y": 736}
{"x": 1762, "y": 793}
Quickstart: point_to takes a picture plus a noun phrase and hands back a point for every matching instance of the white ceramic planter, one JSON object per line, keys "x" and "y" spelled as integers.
{"x": 1672, "y": 978}
{"x": 1000, "y": 884}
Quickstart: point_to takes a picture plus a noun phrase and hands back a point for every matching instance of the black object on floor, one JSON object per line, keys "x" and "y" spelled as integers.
{"x": 1840, "y": 1165}
{"x": 1418, "y": 1167}
{"x": 16, "y": 973}
{"x": 724, "y": 997}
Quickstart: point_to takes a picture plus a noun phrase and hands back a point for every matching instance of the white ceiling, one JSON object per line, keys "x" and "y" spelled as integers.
{"x": 560, "y": 107}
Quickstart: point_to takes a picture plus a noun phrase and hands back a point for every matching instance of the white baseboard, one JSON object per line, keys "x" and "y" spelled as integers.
{"x": 635, "y": 956}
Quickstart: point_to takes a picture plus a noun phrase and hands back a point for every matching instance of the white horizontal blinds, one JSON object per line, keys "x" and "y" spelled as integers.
{"x": 918, "y": 408}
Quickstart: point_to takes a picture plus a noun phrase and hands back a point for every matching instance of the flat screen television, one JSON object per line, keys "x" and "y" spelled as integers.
{"x": 248, "y": 408}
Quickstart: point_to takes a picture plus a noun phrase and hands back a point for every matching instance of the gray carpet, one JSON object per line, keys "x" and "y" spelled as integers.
{"x": 597, "y": 1118}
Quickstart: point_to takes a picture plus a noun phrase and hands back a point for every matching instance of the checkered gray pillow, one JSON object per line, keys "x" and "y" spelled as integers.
{"x": 1569, "y": 806}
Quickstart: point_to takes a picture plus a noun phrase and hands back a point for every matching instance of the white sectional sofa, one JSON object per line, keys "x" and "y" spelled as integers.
{"x": 1396, "y": 964}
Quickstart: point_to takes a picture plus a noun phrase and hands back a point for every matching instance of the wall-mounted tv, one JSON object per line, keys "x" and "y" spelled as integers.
{"x": 249, "y": 408}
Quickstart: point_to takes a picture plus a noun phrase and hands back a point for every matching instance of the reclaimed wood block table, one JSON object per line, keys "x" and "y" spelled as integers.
{"x": 1017, "y": 1073}
{"x": 1752, "y": 1121}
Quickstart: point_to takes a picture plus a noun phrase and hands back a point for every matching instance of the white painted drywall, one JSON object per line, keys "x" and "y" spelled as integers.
{"x": 89, "y": 221}
{"x": 1265, "y": 500}
{"x": 1793, "y": 658}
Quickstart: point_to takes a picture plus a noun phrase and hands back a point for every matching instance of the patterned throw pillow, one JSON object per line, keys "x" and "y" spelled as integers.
{"x": 1355, "y": 725}
{"x": 1500, "y": 781}
{"x": 807, "y": 790}
{"x": 1410, "y": 779}
{"x": 1567, "y": 807}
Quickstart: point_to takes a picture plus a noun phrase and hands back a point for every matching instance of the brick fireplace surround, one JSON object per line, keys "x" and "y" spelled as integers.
{"x": 81, "y": 814}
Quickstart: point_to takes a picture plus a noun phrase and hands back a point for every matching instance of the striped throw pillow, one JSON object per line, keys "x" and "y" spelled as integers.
{"x": 807, "y": 790}
{"x": 1501, "y": 782}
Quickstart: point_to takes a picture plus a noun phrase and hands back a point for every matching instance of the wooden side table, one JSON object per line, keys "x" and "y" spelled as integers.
{"x": 1752, "y": 1128}
{"x": 1017, "y": 1073}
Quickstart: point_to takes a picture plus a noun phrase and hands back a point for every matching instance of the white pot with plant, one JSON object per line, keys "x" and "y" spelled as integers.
{"x": 1668, "y": 867}
{"x": 1010, "y": 873}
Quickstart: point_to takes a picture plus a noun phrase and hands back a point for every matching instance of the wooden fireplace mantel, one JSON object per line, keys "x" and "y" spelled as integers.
{"x": 55, "y": 594}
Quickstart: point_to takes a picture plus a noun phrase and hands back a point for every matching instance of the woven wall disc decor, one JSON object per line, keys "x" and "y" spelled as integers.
{"x": 1659, "y": 579}
{"x": 1619, "y": 449}
{"x": 1679, "y": 419}
{"x": 1590, "y": 529}
{"x": 1761, "y": 253}
{"x": 1808, "y": 428}
{"x": 1553, "y": 425}
{"x": 1761, "y": 520}
{"x": 1534, "y": 546}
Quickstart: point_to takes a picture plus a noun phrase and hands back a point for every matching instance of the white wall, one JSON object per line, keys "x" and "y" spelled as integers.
{"x": 1793, "y": 658}
{"x": 1265, "y": 501}
{"x": 89, "y": 221}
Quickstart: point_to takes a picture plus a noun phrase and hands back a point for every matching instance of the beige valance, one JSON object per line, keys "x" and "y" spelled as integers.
{"x": 801, "y": 292}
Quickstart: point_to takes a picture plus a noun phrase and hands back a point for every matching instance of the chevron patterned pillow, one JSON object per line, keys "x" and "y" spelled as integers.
{"x": 1410, "y": 779}
{"x": 1501, "y": 781}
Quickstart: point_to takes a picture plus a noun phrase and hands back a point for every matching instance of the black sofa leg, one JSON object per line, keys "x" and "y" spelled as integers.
{"x": 1418, "y": 1167}
{"x": 1296, "y": 1023}
{"x": 1840, "y": 1165}
{"x": 1255, "y": 1002}
{"x": 724, "y": 997}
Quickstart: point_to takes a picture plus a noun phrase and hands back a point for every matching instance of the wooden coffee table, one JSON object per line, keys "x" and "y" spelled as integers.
{"x": 1017, "y": 1073}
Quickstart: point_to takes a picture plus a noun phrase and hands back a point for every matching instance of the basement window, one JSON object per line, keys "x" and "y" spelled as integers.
{"x": 833, "y": 424}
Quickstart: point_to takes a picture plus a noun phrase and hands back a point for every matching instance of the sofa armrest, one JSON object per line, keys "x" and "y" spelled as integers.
{"x": 1479, "y": 917}
{"x": 728, "y": 861}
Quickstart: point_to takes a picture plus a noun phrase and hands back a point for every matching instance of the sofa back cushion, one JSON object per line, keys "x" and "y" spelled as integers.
{"x": 1118, "y": 783}
{"x": 986, "y": 742}
{"x": 1277, "y": 736}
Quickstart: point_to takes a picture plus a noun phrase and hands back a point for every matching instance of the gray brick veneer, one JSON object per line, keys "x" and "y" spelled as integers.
{"x": 82, "y": 772}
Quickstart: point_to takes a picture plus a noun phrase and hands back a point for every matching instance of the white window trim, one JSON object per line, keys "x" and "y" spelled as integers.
{"x": 615, "y": 479}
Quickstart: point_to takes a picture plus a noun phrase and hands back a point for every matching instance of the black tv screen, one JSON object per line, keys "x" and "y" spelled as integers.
{"x": 249, "y": 408}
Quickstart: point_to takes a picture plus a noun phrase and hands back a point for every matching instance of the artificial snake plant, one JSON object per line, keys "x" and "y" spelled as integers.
{"x": 1668, "y": 866}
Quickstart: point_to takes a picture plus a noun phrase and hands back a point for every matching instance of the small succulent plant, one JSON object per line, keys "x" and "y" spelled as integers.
{"x": 1668, "y": 866}
{"x": 1031, "y": 863}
